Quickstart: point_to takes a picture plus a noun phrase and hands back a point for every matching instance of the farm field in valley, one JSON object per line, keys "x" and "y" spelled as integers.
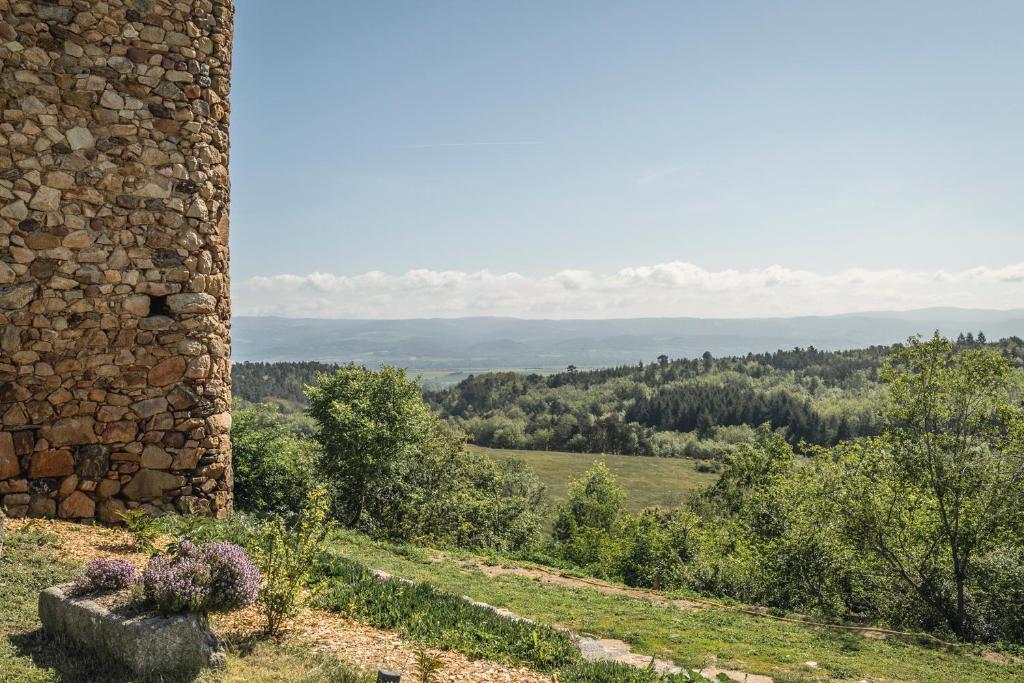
{"x": 663, "y": 482}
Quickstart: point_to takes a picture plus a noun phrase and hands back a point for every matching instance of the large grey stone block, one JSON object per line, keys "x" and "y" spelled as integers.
{"x": 176, "y": 647}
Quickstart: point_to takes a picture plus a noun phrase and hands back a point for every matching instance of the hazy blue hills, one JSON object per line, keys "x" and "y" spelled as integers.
{"x": 480, "y": 343}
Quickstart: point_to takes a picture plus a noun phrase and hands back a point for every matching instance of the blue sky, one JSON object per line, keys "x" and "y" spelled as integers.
{"x": 488, "y": 156}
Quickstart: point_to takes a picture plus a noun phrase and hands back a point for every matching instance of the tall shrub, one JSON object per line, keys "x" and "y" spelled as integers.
{"x": 274, "y": 468}
{"x": 584, "y": 530}
{"x": 286, "y": 555}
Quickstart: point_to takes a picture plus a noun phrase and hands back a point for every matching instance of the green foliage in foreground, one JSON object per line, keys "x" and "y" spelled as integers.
{"x": 612, "y": 672}
{"x": 728, "y": 639}
{"x": 441, "y": 619}
{"x": 920, "y": 528}
{"x": 141, "y": 528}
{"x": 938, "y": 501}
{"x": 285, "y": 556}
{"x": 33, "y": 559}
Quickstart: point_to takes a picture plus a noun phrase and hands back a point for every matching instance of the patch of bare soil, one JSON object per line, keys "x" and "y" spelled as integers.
{"x": 1000, "y": 658}
{"x": 552, "y": 577}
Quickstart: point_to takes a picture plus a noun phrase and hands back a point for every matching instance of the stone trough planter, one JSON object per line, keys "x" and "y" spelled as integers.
{"x": 148, "y": 644}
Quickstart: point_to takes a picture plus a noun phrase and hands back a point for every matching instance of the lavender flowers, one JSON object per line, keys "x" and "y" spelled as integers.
{"x": 234, "y": 579}
{"x": 215, "y": 578}
{"x": 176, "y": 584}
{"x": 105, "y": 575}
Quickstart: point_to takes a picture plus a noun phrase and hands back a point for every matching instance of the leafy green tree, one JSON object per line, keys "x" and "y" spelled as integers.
{"x": 943, "y": 485}
{"x": 273, "y": 468}
{"x": 749, "y": 468}
{"x": 656, "y": 547}
{"x": 585, "y": 525}
{"x": 473, "y": 501}
{"x": 372, "y": 426}
{"x": 397, "y": 471}
{"x": 596, "y": 500}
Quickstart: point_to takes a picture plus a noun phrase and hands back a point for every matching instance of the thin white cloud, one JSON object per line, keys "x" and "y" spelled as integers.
{"x": 656, "y": 175}
{"x": 666, "y": 289}
{"x": 498, "y": 143}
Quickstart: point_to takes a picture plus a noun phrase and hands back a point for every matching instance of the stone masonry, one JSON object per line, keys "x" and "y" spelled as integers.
{"x": 114, "y": 300}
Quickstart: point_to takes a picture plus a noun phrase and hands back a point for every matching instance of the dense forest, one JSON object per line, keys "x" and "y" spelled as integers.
{"x": 672, "y": 407}
{"x": 276, "y": 382}
{"x": 693, "y": 407}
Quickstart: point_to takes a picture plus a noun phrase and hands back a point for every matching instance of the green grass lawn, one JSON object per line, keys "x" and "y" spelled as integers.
{"x": 664, "y": 482}
{"x": 693, "y": 637}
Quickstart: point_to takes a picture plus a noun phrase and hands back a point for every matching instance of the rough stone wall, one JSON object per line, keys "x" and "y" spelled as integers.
{"x": 114, "y": 300}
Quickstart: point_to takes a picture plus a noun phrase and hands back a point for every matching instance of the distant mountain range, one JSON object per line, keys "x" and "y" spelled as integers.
{"x": 493, "y": 343}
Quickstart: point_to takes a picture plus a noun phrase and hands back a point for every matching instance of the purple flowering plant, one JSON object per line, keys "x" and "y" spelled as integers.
{"x": 106, "y": 575}
{"x": 213, "y": 578}
{"x": 234, "y": 579}
{"x": 176, "y": 584}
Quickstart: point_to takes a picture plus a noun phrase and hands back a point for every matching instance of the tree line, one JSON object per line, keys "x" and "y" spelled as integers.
{"x": 682, "y": 406}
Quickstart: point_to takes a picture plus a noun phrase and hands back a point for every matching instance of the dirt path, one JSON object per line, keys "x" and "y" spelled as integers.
{"x": 555, "y": 579}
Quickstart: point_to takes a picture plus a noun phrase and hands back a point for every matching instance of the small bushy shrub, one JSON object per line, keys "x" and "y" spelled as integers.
{"x": 706, "y": 466}
{"x": 215, "y": 578}
{"x": 142, "y": 529}
{"x": 286, "y": 555}
{"x": 426, "y": 666}
{"x": 107, "y": 575}
{"x": 655, "y": 548}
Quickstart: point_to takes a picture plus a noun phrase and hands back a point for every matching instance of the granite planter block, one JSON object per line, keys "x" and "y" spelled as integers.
{"x": 150, "y": 645}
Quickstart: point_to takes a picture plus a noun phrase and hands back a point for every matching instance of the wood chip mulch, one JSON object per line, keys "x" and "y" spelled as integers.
{"x": 368, "y": 649}
{"x": 84, "y": 542}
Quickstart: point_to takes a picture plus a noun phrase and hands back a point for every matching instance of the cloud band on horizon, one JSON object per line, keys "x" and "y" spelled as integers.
{"x": 670, "y": 289}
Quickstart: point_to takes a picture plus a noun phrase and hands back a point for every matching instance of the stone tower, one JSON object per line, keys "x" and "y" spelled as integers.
{"x": 114, "y": 300}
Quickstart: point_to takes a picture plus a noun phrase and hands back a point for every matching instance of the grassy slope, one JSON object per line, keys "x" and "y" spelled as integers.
{"x": 648, "y": 481}
{"x": 694, "y": 637}
{"x": 34, "y": 559}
